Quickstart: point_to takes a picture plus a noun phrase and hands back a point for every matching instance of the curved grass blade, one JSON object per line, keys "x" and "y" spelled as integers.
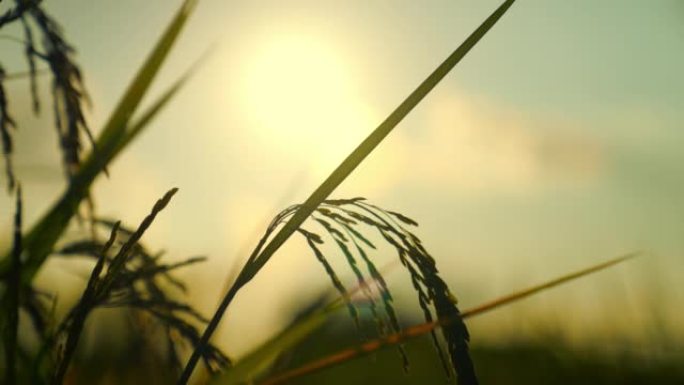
{"x": 137, "y": 126}
{"x": 114, "y": 137}
{"x": 428, "y": 327}
{"x": 254, "y": 264}
{"x": 141, "y": 82}
{"x": 505, "y": 300}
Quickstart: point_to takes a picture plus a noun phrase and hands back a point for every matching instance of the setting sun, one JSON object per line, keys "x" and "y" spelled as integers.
{"x": 301, "y": 100}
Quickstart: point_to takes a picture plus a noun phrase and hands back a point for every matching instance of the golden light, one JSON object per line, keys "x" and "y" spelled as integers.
{"x": 302, "y": 101}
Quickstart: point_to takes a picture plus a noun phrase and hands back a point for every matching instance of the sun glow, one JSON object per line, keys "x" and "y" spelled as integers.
{"x": 301, "y": 99}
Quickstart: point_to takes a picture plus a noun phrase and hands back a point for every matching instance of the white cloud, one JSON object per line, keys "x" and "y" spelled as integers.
{"x": 472, "y": 144}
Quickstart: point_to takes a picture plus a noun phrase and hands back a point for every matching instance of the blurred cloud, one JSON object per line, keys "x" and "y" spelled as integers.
{"x": 472, "y": 144}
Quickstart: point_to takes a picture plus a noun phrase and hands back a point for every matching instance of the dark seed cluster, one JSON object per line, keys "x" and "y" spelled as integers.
{"x": 69, "y": 96}
{"x": 346, "y": 222}
{"x": 126, "y": 275}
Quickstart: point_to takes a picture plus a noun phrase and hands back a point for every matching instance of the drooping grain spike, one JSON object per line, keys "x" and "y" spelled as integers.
{"x": 333, "y": 277}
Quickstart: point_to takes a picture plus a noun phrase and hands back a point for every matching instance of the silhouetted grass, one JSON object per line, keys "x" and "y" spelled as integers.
{"x": 127, "y": 275}
{"x": 68, "y": 91}
{"x": 457, "y": 338}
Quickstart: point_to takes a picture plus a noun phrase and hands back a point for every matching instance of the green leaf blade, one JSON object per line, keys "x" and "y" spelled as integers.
{"x": 113, "y": 138}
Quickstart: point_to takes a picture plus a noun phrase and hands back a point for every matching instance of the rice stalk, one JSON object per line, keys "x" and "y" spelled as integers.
{"x": 99, "y": 288}
{"x": 68, "y": 90}
{"x": 263, "y": 253}
{"x": 354, "y": 216}
{"x": 134, "y": 281}
{"x": 117, "y": 133}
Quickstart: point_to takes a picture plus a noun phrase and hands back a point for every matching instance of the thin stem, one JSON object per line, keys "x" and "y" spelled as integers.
{"x": 425, "y": 328}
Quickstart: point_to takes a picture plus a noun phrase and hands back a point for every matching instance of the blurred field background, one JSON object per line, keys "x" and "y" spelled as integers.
{"x": 554, "y": 145}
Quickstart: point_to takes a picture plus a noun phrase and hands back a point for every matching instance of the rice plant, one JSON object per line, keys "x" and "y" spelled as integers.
{"x": 69, "y": 95}
{"x": 344, "y": 221}
{"x": 126, "y": 274}
{"x": 131, "y": 280}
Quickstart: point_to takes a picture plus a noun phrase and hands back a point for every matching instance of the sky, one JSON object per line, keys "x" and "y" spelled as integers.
{"x": 553, "y": 145}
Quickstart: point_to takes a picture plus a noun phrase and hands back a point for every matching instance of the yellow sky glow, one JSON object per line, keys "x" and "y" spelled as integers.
{"x": 302, "y": 101}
